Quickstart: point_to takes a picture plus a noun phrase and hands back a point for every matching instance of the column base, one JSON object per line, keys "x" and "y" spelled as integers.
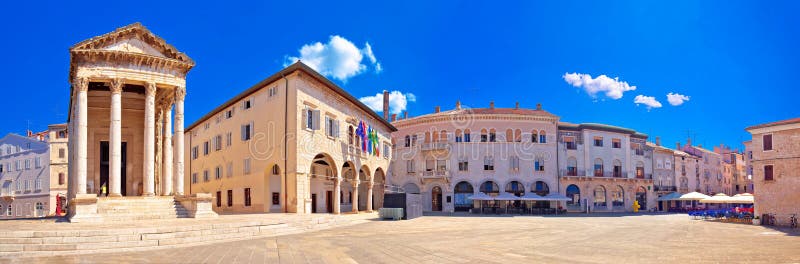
{"x": 114, "y": 195}
{"x": 83, "y": 209}
{"x": 149, "y": 194}
{"x": 198, "y": 205}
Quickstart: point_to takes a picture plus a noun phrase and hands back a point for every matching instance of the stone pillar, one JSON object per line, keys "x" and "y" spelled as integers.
{"x": 167, "y": 167}
{"x": 369, "y": 196}
{"x": 115, "y": 140}
{"x": 149, "y": 140}
{"x": 355, "y": 196}
{"x": 158, "y": 165}
{"x": 180, "y": 94}
{"x": 337, "y": 195}
{"x": 82, "y": 130}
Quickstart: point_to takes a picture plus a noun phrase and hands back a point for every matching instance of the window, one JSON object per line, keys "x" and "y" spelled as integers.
{"x": 16, "y": 165}
{"x": 488, "y": 163}
{"x": 767, "y": 142}
{"x": 37, "y": 162}
{"x": 640, "y": 170}
{"x": 229, "y": 139}
{"x": 463, "y": 165}
{"x": 410, "y": 166}
{"x": 616, "y": 143}
{"x": 246, "y": 196}
{"x": 219, "y": 199}
{"x": 9, "y": 211}
{"x": 230, "y": 169}
{"x": 385, "y": 150}
{"x": 768, "y": 173}
{"x": 667, "y": 164}
{"x": 538, "y": 163}
{"x": 572, "y": 166}
{"x": 27, "y": 164}
{"x": 273, "y": 91}
{"x": 617, "y": 169}
{"x": 61, "y": 178}
{"x": 413, "y": 140}
{"x": 407, "y": 141}
{"x": 598, "y": 168}
{"x": 229, "y": 114}
{"x": 27, "y": 185}
{"x": 492, "y": 135}
{"x": 637, "y": 148}
{"x": 247, "y": 131}
{"x": 429, "y": 165}
{"x": 660, "y": 164}
{"x": 230, "y": 198}
{"x": 459, "y": 136}
{"x": 61, "y": 134}
{"x": 276, "y": 198}
{"x": 535, "y": 136}
{"x": 570, "y": 142}
{"x": 205, "y": 148}
{"x": 1, "y": 168}
{"x": 61, "y": 153}
{"x": 38, "y": 185}
{"x": 194, "y": 177}
{"x": 205, "y": 176}
{"x": 331, "y": 127}
{"x": 218, "y": 143}
{"x": 484, "y": 136}
{"x": 275, "y": 169}
{"x": 542, "y": 137}
{"x": 513, "y": 163}
{"x": 598, "y": 141}
{"x": 246, "y": 104}
{"x": 467, "y": 136}
{"x": 206, "y": 126}
{"x": 311, "y": 118}
{"x": 246, "y": 166}
{"x": 599, "y": 196}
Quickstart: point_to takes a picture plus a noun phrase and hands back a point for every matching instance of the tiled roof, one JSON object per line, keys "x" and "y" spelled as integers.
{"x": 489, "y": 111}
{"x": 776, "y": 123}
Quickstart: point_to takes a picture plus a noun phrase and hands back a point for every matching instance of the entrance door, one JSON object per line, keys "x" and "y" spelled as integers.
{"x": 436, "y": 199}
{"x": 105, "y": 168}
{"x": 329, "y": 201}
{"x": 641, "y": 197}
{"x": 313, "y": 203}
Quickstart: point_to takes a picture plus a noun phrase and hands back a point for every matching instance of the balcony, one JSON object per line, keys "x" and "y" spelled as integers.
{"x": 665, "y": 188}
{"x": 436, "y": 174}
{"x": 571, "y": 173}
{"x": 436, "y": 146}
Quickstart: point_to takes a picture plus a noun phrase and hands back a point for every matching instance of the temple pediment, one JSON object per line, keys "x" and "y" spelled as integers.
{"x": 132, "y": 39}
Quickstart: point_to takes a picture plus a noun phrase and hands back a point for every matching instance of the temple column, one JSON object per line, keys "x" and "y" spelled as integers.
{"x": 337, "y": 195}
{"x": 81, "y": 140}
{"x": 167, "y": 167}
{"x": 369, "y": 196}
{"x": 115, "y": 140}
{"x": 180, "y": 94}
{"x": 354, "y": 198}
{"x": 159, "y": 158}
{"x": 149, "y": 140}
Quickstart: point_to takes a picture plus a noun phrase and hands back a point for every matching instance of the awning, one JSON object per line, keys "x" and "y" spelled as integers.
{"x": 674, "y": 196}
{"x": 693, "y": 196}
{"x": 744, "y": 198}
{"x": 531, "y": 197}
{"x": 556, "y": 197}
{"x": 480, "y": 196}
{"x": 506, "y": 197}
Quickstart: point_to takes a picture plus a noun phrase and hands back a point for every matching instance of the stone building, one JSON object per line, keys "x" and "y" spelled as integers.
{"x": 25, "y": 177}
{"x": 124, "y": 85}
{"x": 711, "y": 180}
{"x": 664, "y": 180}
{"x": 775, "y": 151}
{"x": 687, "y": 171}
{"x": 447, "y": 156}
{"x": 57, "y": 141}
{"x": 294, "y": 142}
{"x": 605, "y": 168}
{"x": 734, "y": 170}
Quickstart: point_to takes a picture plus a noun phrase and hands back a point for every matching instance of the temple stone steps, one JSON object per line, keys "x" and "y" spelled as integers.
{"x": 117, "y": 237}
{"x": 140, "y": 208}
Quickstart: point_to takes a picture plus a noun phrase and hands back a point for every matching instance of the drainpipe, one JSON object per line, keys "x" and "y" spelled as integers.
{"x": 190, "y": 163}
{"x": 285, "y": 144}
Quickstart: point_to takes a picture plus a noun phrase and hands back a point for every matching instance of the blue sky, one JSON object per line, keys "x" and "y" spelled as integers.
{"x": 736, "y": 60}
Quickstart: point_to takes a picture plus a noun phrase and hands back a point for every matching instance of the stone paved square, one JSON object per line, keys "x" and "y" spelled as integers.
{"x": 495, "y": 239}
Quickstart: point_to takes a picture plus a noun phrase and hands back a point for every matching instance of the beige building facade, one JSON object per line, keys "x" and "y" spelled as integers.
{"x": 776, "y": 168}
{"x": 290, "y": 143}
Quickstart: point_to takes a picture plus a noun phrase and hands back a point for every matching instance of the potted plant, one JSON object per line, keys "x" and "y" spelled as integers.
{"x": 756, "y": 221}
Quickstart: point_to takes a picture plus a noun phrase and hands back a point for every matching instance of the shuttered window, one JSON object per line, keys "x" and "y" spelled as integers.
{"x": 767, "y": 142}
{"x": 768, "y": 173}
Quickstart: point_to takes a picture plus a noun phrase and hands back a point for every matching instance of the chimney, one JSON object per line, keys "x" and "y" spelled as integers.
{"x": 458, "y": 105}
{"x": 677, "y": 145}
{"x": 516, "y": 106}
{"x": 699, "y": 145}
{"x": 29, "y": 133}
{"x": 405, "y": 115}
{"x": 394, "y": 117}
{"x": 437, "y": 109}
{"x": 539, "y": 106}
{"x": 688, "y": 141}
{"x": 658, "y": 141}
{"x": 385, "y": 104}
{"x": 491, "y": 104}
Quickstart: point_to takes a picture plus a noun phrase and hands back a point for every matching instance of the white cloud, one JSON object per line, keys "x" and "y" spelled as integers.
{"x": 676, "y": 99}
{"x": 613, "y": 88}
{"x": 398, "y": 101}
{"x": 339, "y": 58}
{"x": 648, "y": 101}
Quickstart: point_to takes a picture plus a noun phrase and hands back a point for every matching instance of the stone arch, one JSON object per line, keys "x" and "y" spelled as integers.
{"x": 462, "y": 190}
{"x": 274, "y": 182}
{"x": 378, "y": 188}
{"x": 599, "y": 196}
{"x": 323, "y": 174}
{"x": 362, "y": 195}
{"x": 574, "y": 193}
{"x": 411, "y": 187}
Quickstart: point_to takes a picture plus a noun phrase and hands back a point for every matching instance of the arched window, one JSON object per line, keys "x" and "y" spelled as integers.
{"x": 617, "y": 168}
{"x": 484, "y": 135}
{"x": 276, "y": 170}
{"x": 411, "y": 188}
{"x": 427, "y": 137}
{"x": 617, "y": 199}
{"x": 62, "y": 179}
{"x": 639, "y": 170}
{"x": 459, "y": 136}
{"x": 515, "y": 188}
{"x": 9, "y": 210}
{"x": 572, "y": 166}
{"x": 509, "y": 135}
{"x": 467, "y": 135}
{"x": 461, "y": 194}
{"x": 541, "y": 188}
{"x": 408, "y": 141}
{"x": 435, "y": 137}
{"x": 542, "y": 137}
{"x": 599, "y": 196}
{"x": 443, "y": 136}
{"x": 598, "y": 168}
{"x": 490, "y": 188}
{"x": 574, "y": 195}
{"x": 534, "y": 136}
{"x": 492, "y": 135}
{"x": 518, "y": 135}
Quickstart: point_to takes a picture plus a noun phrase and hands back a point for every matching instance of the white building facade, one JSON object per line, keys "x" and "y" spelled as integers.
{"x": 25, "y": 177}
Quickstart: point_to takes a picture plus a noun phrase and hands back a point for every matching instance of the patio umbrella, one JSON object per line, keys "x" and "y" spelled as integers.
{"x": 670, "y": 197}
{"x": 531, "y": 197}
{"x": 693, "y": 196}
{"x": 744, "y": 198}
{"x": 556, "y": 197}
{"x": 506, "y": 197}
{"x": 481, "y": 197}
{"x": 719, "y": 198}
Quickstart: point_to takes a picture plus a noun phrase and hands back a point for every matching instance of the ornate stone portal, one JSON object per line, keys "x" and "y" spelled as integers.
{"x": 124, "y": 86}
